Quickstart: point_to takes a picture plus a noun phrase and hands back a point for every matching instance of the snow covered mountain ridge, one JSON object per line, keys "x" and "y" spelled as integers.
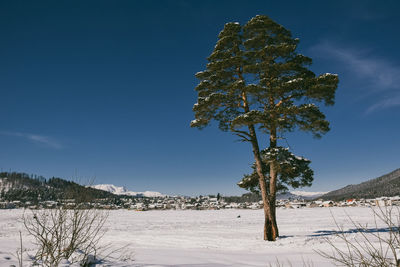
{"x": 300, "y": 194}
{"x": 120, "y": 190}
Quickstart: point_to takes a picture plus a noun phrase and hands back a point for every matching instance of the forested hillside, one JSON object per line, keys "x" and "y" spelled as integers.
{"x": 25, "y": 187}
{"x": 385, "y": 185}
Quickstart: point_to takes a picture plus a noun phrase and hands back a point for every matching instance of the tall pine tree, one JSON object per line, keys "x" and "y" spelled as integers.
{"x": 256, "y": 83}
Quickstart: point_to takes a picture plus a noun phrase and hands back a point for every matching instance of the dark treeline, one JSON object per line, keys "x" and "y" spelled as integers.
{"x": 248, "y": 197}
{"x": 33, "y": 188}
{"x": 386, "y": 185}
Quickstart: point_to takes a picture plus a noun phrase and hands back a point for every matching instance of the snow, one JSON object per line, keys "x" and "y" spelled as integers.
{"x": 120, "y": 190}
{"x": 199, "y": 73}
{"x": 5, "y": 185}
{"x": 300, "y": 194}
{"x": 309, "y": 106}
{"x": 206, "y": 238}
{"x": 295, "y": 80}
{"x": 308, "y": 194}
{"x": 327, "y": 74}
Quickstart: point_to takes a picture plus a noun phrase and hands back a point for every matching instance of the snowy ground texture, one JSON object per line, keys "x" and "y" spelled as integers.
{"x": 205, "y": 238}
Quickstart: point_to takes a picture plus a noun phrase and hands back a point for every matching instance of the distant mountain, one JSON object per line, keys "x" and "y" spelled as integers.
{"x": 385, "y": 185}
{"x": 254, "y": 197}
{"x": 120, "y": 190}
{"x": 117, "y": 190}
{"x": 25, "y": 187}
{"x": 300, "y": 195}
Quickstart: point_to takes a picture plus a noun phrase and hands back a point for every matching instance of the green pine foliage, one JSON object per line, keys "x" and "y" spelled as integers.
{"x": 292, "y": 170}
{"x": 256, "y": 78}
{"x": 260, "y": 59}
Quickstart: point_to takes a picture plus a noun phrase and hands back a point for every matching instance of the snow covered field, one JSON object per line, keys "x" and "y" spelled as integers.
{"x": 206, "y": 238}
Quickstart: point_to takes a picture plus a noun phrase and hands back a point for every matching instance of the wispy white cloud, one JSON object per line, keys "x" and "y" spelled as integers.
{"x": 385, "y": 103}
{"x": 35, "y": 138}
{"x": 382, "y": 73}
{"x": 379, "y": 76}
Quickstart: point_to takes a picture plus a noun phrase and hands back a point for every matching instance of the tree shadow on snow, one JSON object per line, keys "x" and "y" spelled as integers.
{"x": 285, "y": 236}
{"x": 354, "y": 230}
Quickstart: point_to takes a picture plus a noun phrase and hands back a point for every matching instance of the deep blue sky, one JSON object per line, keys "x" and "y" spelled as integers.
{"x": 105, "y": 89}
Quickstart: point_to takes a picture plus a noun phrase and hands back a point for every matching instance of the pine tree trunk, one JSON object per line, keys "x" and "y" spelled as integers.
{"x": 270, "y": 226}
{"x": 273, "y": 174}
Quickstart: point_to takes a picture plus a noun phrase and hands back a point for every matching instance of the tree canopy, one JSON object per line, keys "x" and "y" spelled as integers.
{"x": 255, "y": 82}
{"x": 259, "y": 62}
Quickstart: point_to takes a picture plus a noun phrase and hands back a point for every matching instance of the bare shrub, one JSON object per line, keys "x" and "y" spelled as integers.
{"x": 279, "y": 263}
{"x": 19, "y": 251}
{"x": 71, "y": 234}
{"x": 373, "y": 247}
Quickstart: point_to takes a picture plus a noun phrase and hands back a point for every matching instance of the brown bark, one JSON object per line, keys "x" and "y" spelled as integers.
{"x": 273, "y": 176}
{"x": 270, "y": 229}
{"x": 270, "y": 226}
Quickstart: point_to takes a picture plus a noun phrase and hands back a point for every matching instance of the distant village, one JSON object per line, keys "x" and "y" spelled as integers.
{"x": 22, "y": 190}
{"x": 195, "y": 203}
